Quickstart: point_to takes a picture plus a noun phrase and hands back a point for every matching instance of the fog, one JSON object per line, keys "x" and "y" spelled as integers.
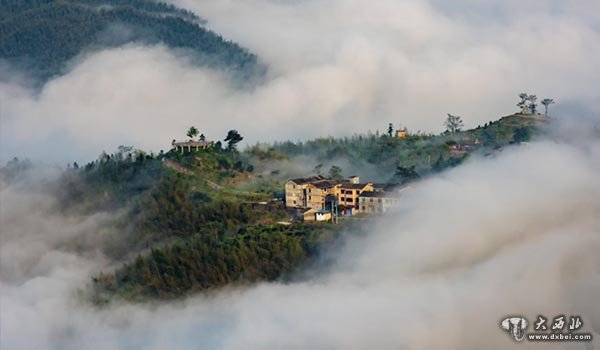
{"x": 515, "y": 234}
{"x": 333, "y": 67}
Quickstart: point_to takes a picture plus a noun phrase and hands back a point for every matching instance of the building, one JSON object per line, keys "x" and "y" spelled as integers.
{"x": 323, "y": 215}
{"x": 349, "y": 193}
{"x": 466, "y": 144}
{"x": 457, "y": 149}
{"x": 401, "y": 133}
{"x": 379, "y": 201}
{"x": 316, "y": 215}
{"x": 309, "y": 215}
{"x": 191, "y": 145}
{"x": 296, "y": 191}
{"x": 316, "y": 193}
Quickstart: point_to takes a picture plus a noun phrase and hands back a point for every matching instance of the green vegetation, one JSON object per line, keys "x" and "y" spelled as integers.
{"x": 41, "y": 36}
{"x": 453, "y": 123}
{"x": 232, "y": 139}
{"x": 192, "y": 132}
{"x": 425, "y": 154}
{"x": 254, "y": 253}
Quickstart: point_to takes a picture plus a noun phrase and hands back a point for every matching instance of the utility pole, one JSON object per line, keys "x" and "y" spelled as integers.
{"x": 333, "y": 200}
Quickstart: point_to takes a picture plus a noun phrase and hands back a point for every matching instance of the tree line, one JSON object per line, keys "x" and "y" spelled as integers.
{"x": 41, "y": 36}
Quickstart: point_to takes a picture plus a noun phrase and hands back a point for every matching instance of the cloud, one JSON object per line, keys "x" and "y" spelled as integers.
{"x": 515, "y": 234}
{"x": 335, "y": 67}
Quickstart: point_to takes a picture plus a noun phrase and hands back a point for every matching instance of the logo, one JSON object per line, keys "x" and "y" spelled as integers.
{"x": 560, "y": 328}
{"x": 515, "y": 326}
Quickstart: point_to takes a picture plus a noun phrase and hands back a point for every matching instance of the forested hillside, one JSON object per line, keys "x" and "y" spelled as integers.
{"x": 41, "y": 36}
{"x": 186, "y": 221}
{"x": 381, "y": 156}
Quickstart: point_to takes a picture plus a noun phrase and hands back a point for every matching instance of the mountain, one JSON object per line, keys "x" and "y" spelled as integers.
{"x": 41, "y": 36}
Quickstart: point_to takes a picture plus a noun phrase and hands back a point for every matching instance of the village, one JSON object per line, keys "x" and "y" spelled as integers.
{"x": 321, "y": 199}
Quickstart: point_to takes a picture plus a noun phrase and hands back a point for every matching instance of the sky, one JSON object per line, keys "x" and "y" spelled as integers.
{"x": 334, "y": 68}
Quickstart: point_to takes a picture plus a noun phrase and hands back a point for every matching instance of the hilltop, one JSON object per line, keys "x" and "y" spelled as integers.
{"x": 379, "y": 156}
{"x": 42, "y": 36}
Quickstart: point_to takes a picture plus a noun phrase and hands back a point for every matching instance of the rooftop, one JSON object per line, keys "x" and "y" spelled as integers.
{"x": 305, "y": 180}
{"x": 191, "y": 143}
{"x": 323, "y": 184}
{"x": 348, "y": 185}
{"x": 380, "y": 194}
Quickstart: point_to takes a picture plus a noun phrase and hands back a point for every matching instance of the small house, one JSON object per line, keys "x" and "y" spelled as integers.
{"x": 322, "y": 215}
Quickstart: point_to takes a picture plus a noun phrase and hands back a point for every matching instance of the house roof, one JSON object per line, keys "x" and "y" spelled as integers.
{"x": 323, "y": 184}
{"x": 347, "y": 185}
{"x": 380, "y": 194}
{"x": 306, "y": 180}
{"x": 191, "y": 143}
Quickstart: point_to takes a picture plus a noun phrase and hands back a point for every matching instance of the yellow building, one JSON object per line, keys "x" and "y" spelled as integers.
{"x": 316, "y": 215}
{"x": 309, "y": 215}
{"x": 317, "y": 191}
{"x": 313, "y": 193}
{"x": 401, "y": 133}
{"x": 350, "y": 191}
{"x": 296, "y": 191}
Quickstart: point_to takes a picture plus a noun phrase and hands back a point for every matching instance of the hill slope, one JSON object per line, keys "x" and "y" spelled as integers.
{"x": 192, "y": 221}
{"x": 41, "y": 36}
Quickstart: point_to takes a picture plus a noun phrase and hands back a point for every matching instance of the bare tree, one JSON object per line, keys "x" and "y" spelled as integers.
{"x": 547, "y": 102}
{"x": 453, "y": 123}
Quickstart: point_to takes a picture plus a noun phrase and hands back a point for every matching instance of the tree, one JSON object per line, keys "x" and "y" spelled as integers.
{"x": 390, "y": 129}
{"x": 405, "y": 174}
{"x": 317, "y": 168}
{"x": 232, "y": 139}
{"x": 547, "y": 102}
{"x": 192, "y": 132}
{"x": 523, "y": 103}
{"x": 453, "y": 123}
{"x": 335, "y": 172}
{"x": 532, "y": 103}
